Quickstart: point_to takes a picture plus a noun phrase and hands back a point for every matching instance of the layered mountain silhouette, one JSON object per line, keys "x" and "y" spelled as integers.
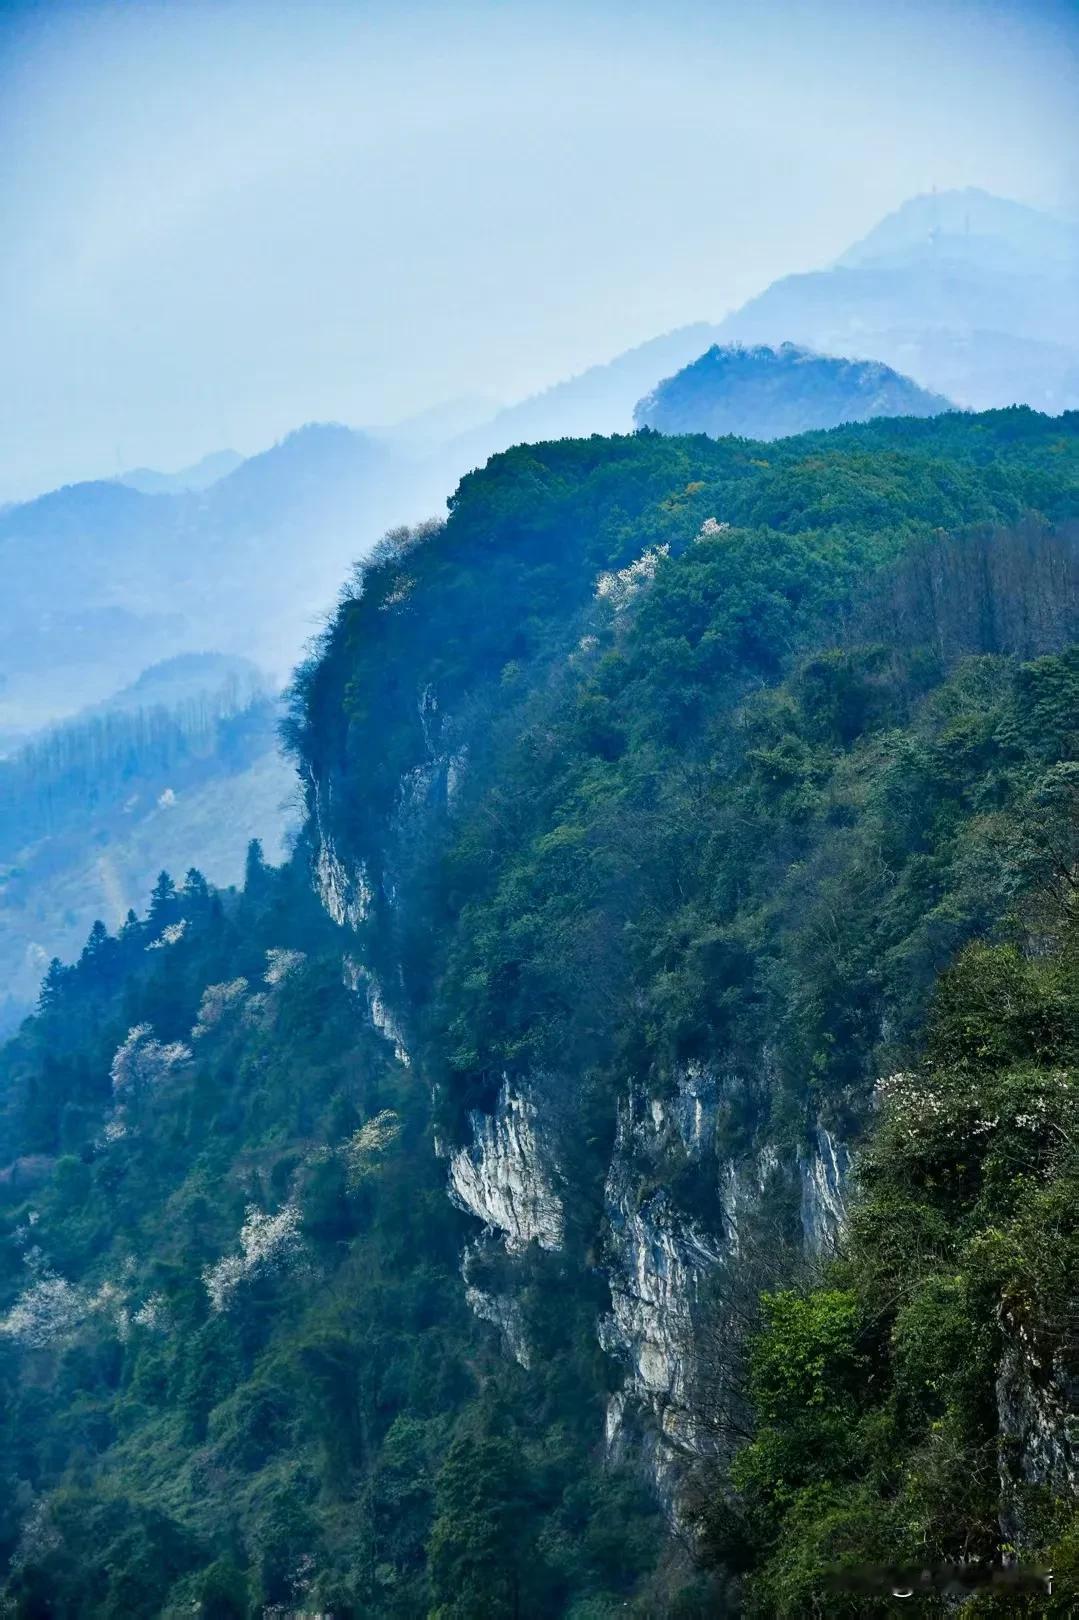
{"x": 598, "y": 400}
{"x": 964, "y": 295}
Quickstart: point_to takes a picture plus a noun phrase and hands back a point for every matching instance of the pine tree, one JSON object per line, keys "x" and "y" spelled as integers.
{"x": 52, "y": 986}
{"x": 163, "y": 899}
{"x": 95, "y": 943}
{"x": 195, "y": 889}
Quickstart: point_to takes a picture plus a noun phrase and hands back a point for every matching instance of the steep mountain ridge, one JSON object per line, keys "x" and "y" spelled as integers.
{"x": 503, "y": 1091}
{"x": 647, "y": 797}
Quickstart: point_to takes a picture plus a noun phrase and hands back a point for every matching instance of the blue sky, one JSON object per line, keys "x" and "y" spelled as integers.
{"x": 221, "y": 220}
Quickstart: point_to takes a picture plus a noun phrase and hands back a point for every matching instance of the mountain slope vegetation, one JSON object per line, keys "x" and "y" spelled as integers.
{"x": 649, "y": 797}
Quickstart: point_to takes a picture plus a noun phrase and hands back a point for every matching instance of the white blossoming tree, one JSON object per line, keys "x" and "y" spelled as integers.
{"x": 621, "y": 587}
{"x": 218, "y": 1000}
{"x": 282, "y": 964}
{"x": 50, "y": 1309}
{"x": 141, "y": 1062}
{"x": 268, "y": 1244}
{"x": 364, "y": 1151}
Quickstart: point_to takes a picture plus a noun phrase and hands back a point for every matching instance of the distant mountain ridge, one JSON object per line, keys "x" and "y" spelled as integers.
{"x": 102, "y": 579}
{"x": 765, "y": 393}
{"x": 968, "y": 294}
{"x": 200, "y": 475}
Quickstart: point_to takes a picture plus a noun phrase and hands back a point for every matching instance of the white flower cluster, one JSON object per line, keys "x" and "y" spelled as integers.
{"x": 217, "y": 1000}
{"x": 363, "y": 1150}
{"x": 620, "y": 588}
{"x": 403, "y": 587}
{"x": 169, "y": 935}
{"x": 280, "y": 965}
{"x": 917, "y": 1107}
{"x": 152, "y": 1313}
{"x": 52, "y": 1309}
{"x": 710, "y": 528}
{"x": 267, "y": 1243}
{"x": 254, "y": 1007}
{"x": 142, "y": 1062}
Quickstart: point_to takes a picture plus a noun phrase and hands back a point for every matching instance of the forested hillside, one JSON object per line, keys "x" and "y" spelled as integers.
{"x": 684, "y": 815}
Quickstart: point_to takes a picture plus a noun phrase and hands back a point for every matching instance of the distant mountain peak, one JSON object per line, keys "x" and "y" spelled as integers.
{"x": 968, "y": 224}
{"x": 969, "y": 294}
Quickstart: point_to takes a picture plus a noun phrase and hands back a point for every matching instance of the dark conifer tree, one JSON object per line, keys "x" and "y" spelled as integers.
{"x": 163, "y": 899}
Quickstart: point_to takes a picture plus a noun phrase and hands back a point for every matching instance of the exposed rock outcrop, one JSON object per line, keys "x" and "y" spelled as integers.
{"x": 505, "y": 1177}
{"x": 1038, "y": 1419}
{"x": 344, "y": 890}
{"x": 823, "y": 1169}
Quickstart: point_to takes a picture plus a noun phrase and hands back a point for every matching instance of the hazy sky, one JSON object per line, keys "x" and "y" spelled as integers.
{"x": 221, "y": 220}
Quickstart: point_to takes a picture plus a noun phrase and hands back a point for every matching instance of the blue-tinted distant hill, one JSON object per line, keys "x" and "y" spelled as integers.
{"x": 203, "y": 473}
{"x": 972, "y": 296}
{"x": 102, "y": 580}
{"x": 763, "y": 393}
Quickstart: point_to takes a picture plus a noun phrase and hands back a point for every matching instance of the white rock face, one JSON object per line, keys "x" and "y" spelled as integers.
{"x": 505, "y": 1178}
{"x": 346, "y": 896}
{"x": 660, "y": 1262}
{"x": 362, "y": 981}
{"x": 824, "y": 1171}
{"x": 505, "y": 1313}
{"x": 456, "y": 765}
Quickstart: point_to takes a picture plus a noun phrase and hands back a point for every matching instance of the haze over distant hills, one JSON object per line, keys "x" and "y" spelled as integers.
{"x": 598, "y": 400}
{"x": 972, "y": 227}
{"x": 180, "y": 769}
{"x": 763, "y": 393}
{"x": 971, "y": 295}
{"x": 964, "y": 294}
{"x": 102, "y": 579}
